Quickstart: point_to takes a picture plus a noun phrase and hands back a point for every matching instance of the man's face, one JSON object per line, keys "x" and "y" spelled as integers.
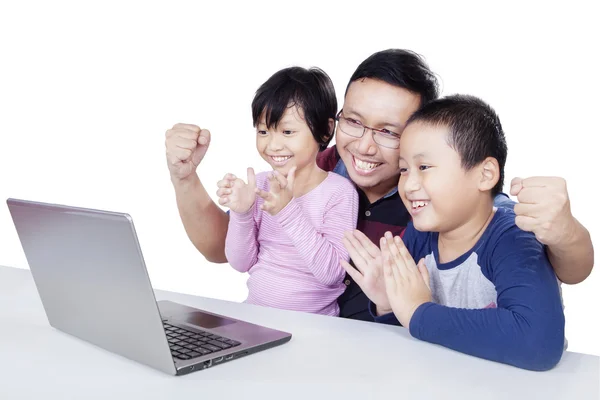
{"x": 437, "y": 191}
{"x": 378, "y": 105}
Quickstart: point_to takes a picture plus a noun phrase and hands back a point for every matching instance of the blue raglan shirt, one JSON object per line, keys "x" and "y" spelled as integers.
{"x": 499, "y": 301}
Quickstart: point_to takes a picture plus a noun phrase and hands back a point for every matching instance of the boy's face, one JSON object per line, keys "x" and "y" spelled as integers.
{"x": 439, "y": 194}
{"x": 289, "y": 144}
{"x": 379, "y": 105}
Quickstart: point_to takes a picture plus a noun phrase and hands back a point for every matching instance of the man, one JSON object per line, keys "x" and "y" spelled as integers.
{"x": 382, "y": 94}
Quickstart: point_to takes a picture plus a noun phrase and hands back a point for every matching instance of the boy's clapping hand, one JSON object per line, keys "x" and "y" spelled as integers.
{"x": 281, "y": 192}
{"x": 407, "y": 286}
{"x": 236, "y": 194}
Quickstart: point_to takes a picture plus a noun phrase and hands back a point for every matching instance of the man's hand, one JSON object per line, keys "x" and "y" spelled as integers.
{"x": 368, "y": 273}
{"x": 186, "y": 146}
{"x": 281, "y": 192}
{"x": 544, "y": 208}
{"x": 236, "y": 194}
{"x": 407, "y": 286}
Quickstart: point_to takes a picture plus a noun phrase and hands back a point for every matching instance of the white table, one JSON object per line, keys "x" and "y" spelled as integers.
{"x": 328, "y": 357}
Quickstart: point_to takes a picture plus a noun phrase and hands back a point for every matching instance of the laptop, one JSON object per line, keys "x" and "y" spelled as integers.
{"x": 89, "y": 271}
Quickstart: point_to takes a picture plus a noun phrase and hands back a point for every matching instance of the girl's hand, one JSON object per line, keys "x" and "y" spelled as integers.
{"x": 236, "y": 194}
{"x": 281, "y": 192}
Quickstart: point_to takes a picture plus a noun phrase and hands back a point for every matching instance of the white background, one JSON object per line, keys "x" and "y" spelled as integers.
{"x": 88, "y": 91}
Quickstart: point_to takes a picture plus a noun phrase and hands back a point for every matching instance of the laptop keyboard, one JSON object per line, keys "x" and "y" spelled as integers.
{"x": 186, "y": 344}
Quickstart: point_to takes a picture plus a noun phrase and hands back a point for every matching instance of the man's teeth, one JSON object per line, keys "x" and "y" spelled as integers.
{"x": 417, "y": 204}
{"x": 281, "y": 158}
{"x": 365, "y": 165}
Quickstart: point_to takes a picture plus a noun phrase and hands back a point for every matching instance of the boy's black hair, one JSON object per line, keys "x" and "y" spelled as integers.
{"x": 475, "y": 131}
{"x": 402, "y": 68}
{"x": 310, "y": 89}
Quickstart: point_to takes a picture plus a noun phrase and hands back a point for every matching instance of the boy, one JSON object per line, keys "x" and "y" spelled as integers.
{"x": 482, "y": 286}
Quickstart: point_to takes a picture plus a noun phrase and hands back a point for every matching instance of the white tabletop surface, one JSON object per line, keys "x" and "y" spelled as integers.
{"x": 327, "y": 357}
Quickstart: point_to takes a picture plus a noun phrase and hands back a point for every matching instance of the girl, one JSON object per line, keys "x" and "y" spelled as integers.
{"x": 286, "y": 226}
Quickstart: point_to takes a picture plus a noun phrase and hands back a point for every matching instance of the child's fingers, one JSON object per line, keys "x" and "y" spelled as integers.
{"x": 266, "y": 206}
{"x": 409, "y": 268}
{"x": 228, "y": 179}
{"x": 356, "y": 251}
{"x": 395, "y": 254}
{"x": 265, "y": 195}
{"x": 280, "y": 179}
{"x": 397, "y": 272}
{"x": 224, "y": 183}
{"x": 353, "y": 272}
{"x": 251, "y": 178}
{"x": 223, "y": 200}
{"x": 291, "y": 177}
{"x": 223, "y": 192}
{"x": 352, "y": 252}
{"x": 424, "y": 272}
{"x": 227, "y": 182}
{"x": 408, "y": 260}
{"x": 385, "y": 250}
{"x": 389, "y": 258}
{"x": 366, "y": 243}
{"x": 274, "y": 185}
{"x": 389, "y": 278}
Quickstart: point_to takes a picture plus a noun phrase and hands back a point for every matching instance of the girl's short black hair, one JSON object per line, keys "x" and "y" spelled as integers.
{"x": 309, "y": 89}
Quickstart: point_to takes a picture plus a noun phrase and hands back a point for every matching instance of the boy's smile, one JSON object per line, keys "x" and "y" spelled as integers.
{"x": 439, "y": 194}
{"x": 417, "y": 206}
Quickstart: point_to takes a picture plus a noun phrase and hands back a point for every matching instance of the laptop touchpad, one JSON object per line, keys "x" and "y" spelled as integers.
{"x": 205, "y": 320}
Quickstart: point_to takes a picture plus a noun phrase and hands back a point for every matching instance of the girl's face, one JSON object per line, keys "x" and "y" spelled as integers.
{"x": 290, "y": 143}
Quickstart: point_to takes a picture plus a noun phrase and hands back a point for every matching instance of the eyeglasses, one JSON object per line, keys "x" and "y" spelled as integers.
{"x": 354, "y": 128}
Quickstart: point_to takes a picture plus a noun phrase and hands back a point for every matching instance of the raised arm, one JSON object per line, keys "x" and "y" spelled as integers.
{"x": 573, "y": 258}
{"x": 544, "y": 208}
{"x": 204, "y": 222}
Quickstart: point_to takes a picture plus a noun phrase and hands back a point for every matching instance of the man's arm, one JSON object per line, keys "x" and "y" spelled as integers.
{"x": 573, "y": 259}
{"x": 204, "y": 222}
{"x": 544, "y": 209}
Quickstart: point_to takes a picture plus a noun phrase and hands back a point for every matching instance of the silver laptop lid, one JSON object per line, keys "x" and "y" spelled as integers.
{"x": 92, "y": 280}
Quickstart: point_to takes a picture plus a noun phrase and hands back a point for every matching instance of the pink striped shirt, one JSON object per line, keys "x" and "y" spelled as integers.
{"x": 293, "y": 258}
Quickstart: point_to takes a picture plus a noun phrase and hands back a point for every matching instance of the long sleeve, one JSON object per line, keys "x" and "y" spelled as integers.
{"x": 241, "y": 246}
{"x": 527, "y": 327}
{"x": 322, "y": 250}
